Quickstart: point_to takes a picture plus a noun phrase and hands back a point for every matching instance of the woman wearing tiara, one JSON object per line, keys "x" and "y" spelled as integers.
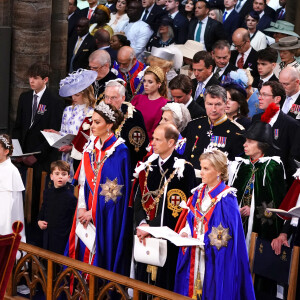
{"x": 11, "y": 188}
{"x": 219, "y": 269}
{"x": 104, "y": 180}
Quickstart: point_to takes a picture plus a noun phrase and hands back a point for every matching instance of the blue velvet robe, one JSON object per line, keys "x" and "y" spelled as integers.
{"x": 113, "y": 219}
{"x": 227, "y": 272}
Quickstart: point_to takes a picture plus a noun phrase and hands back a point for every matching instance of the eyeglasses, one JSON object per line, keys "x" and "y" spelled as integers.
{"x": 239, "y": 46}
{"x": 264, "y": 95}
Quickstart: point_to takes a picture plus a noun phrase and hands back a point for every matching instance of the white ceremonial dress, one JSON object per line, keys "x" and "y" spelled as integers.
{"x": 11, "y": 187}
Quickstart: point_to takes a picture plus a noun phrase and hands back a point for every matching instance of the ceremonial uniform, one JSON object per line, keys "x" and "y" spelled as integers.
{"x": 132, "y": 130}
{"x": 134, "y": 79}
{"x": 104, "y": 180}
{"x": 170, "y": 183}
{"x": 259, "y": 186}
{"x": 99, "y": 86}
{"x": 224, "y": 134}
{"x": 222, "y": 266}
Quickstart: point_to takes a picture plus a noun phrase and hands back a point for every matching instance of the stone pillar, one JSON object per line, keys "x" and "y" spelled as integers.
{"x": 31, "y": 37}
{"x": 59, "y": 38}
{"x": 5, "y": 13}
{"x": 292, "y": 13}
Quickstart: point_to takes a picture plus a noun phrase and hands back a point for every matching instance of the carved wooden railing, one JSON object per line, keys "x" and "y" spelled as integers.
{"x": 53, "y": 273}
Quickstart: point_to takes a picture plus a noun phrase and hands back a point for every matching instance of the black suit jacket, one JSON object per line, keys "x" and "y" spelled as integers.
{"x": 84, "y": 13}
{"x": 113, "y": 54}
{"x": 257, "y": 79}
{"x": 247, "y": 7}
{"x": 196, "y": 110}
{"x": 154, "y": 17}
{"x": 231, "y": 24}
{"x": 113, "y": 8}
{"x": 72, "y": 22}
{"x": 250, "y": 62}
{"x": 213, "y": 32}
{"x": 264, "y": 22}
{"x": 200, "y": 100}
{"x": 81, "y": 59}
{"x": 284, "y": 139}
{"x": 181, "y": 26}
{"x": 29, "y": 136}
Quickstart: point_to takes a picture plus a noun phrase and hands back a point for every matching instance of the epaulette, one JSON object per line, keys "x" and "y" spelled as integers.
{"x": 241, "y": 127}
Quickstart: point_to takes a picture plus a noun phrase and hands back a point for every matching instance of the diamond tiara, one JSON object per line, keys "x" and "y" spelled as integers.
{"x": 5, "y": 141}
{"x": 106, "y": 110}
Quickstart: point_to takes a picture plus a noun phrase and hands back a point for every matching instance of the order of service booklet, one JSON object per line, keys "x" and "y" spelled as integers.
{"x": 292, "y": 213}
{"x": 17, "y": 152}
{"x": 56, "y": 140}
{"x": 167, "y": 233}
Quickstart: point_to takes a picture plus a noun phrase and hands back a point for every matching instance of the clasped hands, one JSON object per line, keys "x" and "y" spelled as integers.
{"x": 84, "y": 216}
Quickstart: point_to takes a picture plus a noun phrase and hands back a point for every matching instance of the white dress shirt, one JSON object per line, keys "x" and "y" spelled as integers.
{"x": 222, "y": 70}
{"x": 289, "y": 101}
{"x": 241, "y": 5}
{"x": 173, "y": 15}
{"x": 138, "y": 33}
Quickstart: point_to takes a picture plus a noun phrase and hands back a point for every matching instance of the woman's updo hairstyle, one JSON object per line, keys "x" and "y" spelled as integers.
{"x": 6, "y": 143}
{"x": 110, "y": 114}
{"x": 218, "y": 159}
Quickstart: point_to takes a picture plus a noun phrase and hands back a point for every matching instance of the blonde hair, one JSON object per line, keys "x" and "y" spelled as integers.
{"x": 88, "y": 96}
{"x": 218, "y": 159}
{"x": 160, "y": 78}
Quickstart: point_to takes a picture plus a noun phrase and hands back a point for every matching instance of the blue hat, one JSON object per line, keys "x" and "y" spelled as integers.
{"x": 76, "y": 82}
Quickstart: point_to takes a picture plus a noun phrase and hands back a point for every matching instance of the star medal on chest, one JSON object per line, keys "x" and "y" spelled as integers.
{"x": 219, "y": 236}
{"x": 111, "y": 190}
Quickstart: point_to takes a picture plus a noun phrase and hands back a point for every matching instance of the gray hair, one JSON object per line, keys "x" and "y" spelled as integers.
{"x": 115, "y": 83}
{"x": 170, "y": 33}
{"x": 100, "y": 56}
{"x": 180, "y": 113}
{"x": 216, "y": 91}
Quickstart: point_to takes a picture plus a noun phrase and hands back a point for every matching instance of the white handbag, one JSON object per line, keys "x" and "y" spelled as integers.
{"x": 154, "y": 253}
{"x": 87, "y": 235}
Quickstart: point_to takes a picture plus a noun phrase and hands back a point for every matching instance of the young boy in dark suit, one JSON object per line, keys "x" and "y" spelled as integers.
{"x": 57, "y": 211}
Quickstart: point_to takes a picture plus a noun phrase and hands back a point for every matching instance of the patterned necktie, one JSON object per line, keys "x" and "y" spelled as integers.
{"x": 224, "y": 16}
{"x": 238, "y": 4}
{"x": 240, "y": 62}
{"x": 217, "y": 73}
{"x": 281, "y": 14}
{"x": 145, "y": 15}
{"x": 260, "y": 85}
{"x": 198, "y": 33}
{"x": 198, "y": 90}
{"x": 34, "y": 107}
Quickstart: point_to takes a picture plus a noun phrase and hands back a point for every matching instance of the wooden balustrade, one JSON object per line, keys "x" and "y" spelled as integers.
{"x": 54, "y": 273}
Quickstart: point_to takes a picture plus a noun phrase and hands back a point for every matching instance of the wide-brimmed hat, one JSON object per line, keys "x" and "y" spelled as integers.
{"x": 190, "y": 48}
{"x": 287, "y": 43}
{"x": 76, "y": 82}
{"x": 284, "y": 27}
{"x": 261, "y": 132}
